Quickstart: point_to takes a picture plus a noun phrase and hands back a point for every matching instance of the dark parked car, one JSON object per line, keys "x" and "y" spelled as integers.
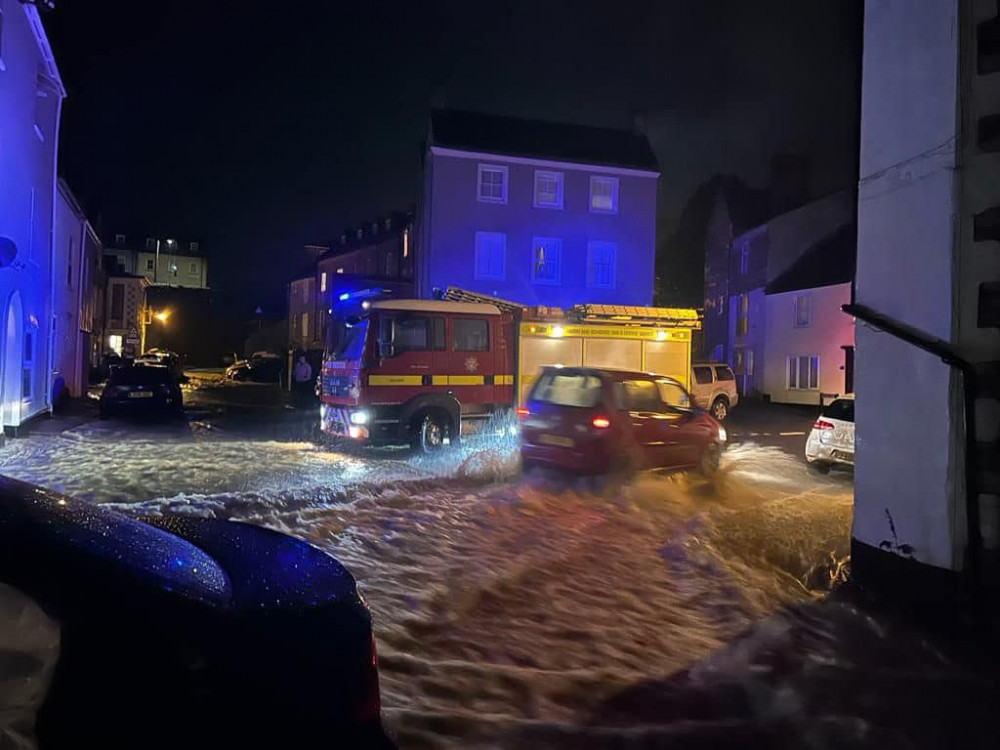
{"x": 260, "y": 368}
{"x": 595, "y": 421}
{"x": 141, "y": 388}
{"x": 179, "y": 632}
{"x": 168, "y": 359}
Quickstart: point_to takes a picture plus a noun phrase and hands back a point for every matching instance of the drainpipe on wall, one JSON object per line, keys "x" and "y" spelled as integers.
{"x": 50, "y": 305}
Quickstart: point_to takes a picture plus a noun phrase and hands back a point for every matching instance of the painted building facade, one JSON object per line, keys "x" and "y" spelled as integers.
{"x": 31, "y": 94}
{"x": 305, "y": 314}
{"x": 928, "y": 228}
{"x": 536, "y": 212}
{"x": 77, "y": 293}
{"x": 126, "y": 306}
{"x": 174, "y": 263}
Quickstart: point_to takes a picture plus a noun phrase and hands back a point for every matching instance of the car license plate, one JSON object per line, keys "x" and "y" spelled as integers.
{"x": 141, "y": 394}
{"x": 843, "y": 455}
{"x": 562, "y": 442}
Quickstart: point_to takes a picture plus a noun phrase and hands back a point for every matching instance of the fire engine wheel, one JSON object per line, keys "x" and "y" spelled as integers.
{"x": 431, "y": 433}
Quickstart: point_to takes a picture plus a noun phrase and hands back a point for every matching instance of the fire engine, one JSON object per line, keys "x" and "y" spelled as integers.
{"x": 425, "y": 372}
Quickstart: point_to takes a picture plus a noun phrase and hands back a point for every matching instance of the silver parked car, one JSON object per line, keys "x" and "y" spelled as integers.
{"x": 713, "y": 387}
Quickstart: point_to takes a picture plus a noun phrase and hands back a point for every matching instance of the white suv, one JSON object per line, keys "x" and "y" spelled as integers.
{"x": 713, "y": 387}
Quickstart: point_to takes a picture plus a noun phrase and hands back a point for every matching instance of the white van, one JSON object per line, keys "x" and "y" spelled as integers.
{"x": 713, "y": 387}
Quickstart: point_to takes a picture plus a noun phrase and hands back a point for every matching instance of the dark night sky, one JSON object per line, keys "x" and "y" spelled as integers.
{"x": 257, "y": 132}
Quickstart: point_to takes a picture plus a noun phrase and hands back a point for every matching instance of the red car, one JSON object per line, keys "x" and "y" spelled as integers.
{"x": 594, "y": 421}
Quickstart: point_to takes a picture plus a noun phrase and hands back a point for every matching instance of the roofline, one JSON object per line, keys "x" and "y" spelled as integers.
{"x": 797, "y": 289}
{"x": 573, "y": 165}
{"x": 35, "y": 22}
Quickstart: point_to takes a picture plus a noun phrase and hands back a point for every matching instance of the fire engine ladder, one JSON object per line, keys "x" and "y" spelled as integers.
{"x": 664, "y": 316}
{"x": 455, "y": 294}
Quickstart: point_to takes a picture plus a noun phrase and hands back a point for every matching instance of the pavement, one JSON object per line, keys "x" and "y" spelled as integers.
{"x": 784, "y": 426}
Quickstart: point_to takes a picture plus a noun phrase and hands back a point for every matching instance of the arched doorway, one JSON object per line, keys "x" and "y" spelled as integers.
{"x": 13, "y": 335}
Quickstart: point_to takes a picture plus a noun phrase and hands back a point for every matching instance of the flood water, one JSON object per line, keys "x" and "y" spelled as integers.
{"x": 500, "y": 602}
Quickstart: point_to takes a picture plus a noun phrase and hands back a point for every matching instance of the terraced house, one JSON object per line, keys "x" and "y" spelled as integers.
{"x": 535, "y": 212}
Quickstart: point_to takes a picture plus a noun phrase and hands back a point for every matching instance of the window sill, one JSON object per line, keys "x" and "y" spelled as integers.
{"x": 543, "y": 282}
{"x": 482, "y": 199}
{"x": 490, "y": 278}
{"x": 606, "y": 211}
{"x": 549, "y": 206}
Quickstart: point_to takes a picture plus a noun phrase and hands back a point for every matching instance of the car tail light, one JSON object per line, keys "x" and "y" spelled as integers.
{"x": 821, "y": 424}
{"x": 521, "y": 412}
{"x": 601, "y": 423}
{"x": 371, "y": 701}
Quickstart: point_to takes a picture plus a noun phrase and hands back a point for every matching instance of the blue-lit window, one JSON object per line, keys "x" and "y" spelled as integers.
{"x": 491, "y": 256}
{"x": 603, "y": 194}
{"x": 546, "y": 260}
{"x": 491, "y": 184}
{"x": 601, "y": 263}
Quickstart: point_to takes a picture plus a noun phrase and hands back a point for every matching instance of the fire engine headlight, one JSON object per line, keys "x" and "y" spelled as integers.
{"x": 723, "y": 436}
{"x": 359, "y": 417}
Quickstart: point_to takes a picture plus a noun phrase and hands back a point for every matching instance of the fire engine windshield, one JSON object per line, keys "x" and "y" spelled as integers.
{"x": 347, "y": 340}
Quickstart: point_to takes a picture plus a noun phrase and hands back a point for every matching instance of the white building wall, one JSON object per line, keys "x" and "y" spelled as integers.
{"x": 829, "y": 331}
{"x": 68, "y": 360}
{"x": 30, "y": 101}
{"x": 906, "y": 421}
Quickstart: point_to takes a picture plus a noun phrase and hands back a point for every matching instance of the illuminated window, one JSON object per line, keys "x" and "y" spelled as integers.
{"x": 803, "y": 373}
{"x": 744, "y": 257}
{"x": 548, "y": 189}
{"x": 492, "y": 184}
{"x": 603, "y": 194}
{"x": 743, "y": 315}
{"x": 322, "y": 281}
{"x": 406, "y": 244}
{"x": 491, "y": 256}
{"x": 546, "y": 260}
{"x": 601, "y": 261}
{"x": 803, "y": 311}
{"x": 340, "y": 270}
{"x": 115, "y": 343}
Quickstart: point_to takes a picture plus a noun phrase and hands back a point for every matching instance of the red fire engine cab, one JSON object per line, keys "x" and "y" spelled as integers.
{"x": 412, "y": 371}
{"x": 424, "y": 372}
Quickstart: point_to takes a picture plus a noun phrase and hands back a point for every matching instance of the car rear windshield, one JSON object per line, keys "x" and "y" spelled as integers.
{"x": 139, "y": 375}
{"x": 567, "y": 389}
{"x": 842, "y": 409}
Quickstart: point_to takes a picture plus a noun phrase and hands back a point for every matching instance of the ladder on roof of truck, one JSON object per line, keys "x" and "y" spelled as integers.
{"x": 455, "y": 294}
{"x": 684, "y": 317}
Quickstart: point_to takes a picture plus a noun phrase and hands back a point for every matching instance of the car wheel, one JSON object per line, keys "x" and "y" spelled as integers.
{"x": 710, "y": 459}
{"x": 819, "y": 467}
{"x": 720, "y": 409}
{"x": 431, "y": 433}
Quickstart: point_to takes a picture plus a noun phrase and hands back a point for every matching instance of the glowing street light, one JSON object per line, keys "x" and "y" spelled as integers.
{"x": 162, "y": 316}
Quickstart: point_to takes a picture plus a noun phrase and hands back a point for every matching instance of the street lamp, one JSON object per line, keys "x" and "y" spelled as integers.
{"x": 156, "y": 268}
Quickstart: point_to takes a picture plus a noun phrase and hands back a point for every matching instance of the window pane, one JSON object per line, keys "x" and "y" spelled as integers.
{"x": 842, "y": 409}
{"x": 642, "y": 395}
{"x": 601, "y": 262}
{"x": 814, "y": 372}
{"x": 703, "y": 375}
{"x": 410, "y": 334}
{"x": 546, "y": 265}
{"x": 793, "y": 381}
{"x": 490, "y": 259}
{"x": 673, "y": 395}
{"x": 470, "y": 335}
{"x": 438, "y": 325}
{"x": 603, "y": 192}
{"x": 567, "y": 389}
{"x": 724, "y": 373}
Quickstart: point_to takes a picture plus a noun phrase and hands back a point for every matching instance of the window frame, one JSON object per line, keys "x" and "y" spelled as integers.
{"x": 706, "y": 368}
{"x": 593, "y": 245}
{"x": 542, "y": 243}
{"x": 454, "y": 338}
{"x": 797, "y": 359}
{"x": 611, "y": 180}
{"x": 434, "y": 325}
{"x": 795, "y": 310}
{"x": 559, "y": 178}
{"x": 478, "y": 247}
{"x": 150, "y": 264}
{"x": 322, "y": 282}
{"x": 503, "y": 185}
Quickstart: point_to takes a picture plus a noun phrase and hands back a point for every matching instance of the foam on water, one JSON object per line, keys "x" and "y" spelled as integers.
{"x": 501, "y": 604}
